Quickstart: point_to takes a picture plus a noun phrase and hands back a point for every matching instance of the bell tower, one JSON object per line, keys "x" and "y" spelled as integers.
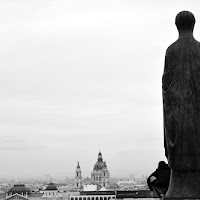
{"x": 105, "y": 176}
{"x": 78, "y": 177}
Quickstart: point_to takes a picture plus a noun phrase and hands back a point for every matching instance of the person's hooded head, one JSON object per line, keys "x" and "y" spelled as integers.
{"x": 161, "y": 164}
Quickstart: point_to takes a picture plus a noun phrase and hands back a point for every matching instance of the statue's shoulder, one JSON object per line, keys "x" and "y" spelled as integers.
{"x": 197, "y": 42}
{"x": 174, "y": 46}
{"x": 172, "y": 49}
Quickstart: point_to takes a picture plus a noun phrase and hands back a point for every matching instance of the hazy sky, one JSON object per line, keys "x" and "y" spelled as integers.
{"x": 77, "y": 76}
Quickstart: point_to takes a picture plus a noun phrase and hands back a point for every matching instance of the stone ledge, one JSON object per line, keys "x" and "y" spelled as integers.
{"x": 181, "y": 198}
{"x": 148, "y": 198}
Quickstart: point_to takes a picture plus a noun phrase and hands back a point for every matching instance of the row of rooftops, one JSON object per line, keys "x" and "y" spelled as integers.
{"x": 21, "y": 188}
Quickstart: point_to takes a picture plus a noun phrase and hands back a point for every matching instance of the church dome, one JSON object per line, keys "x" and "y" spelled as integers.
{"x": 51, "y": 186}
{"x": 99, "y": 164}
{"x": 19, "y": 189}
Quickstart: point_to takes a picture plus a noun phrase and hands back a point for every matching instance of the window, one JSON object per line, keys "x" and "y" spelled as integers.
{"x": 80, "y": 198}
{"x": 92, "y": 198}
{"x": 101, "y": 198}
{"x": 97, "y": 198}
{"x": 84, "y": 198}
{"x": 105, "y": 198}
{"x": 76, "y": 198}
{"x": 88, "y": 198}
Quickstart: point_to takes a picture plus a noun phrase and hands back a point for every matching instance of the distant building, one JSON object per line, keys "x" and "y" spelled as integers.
{"x": 18, "y": 191}
{"x": 78, "y": 177}
{"x": 87, "y": 181}
{"x": 94, "y": 195}
{"x": 126, "y": 185}
{"x": 100, "y": 175}
{"x": 90, "y": 187}
{"x": 21, "y": 192}
{"x": 51, "y": 191}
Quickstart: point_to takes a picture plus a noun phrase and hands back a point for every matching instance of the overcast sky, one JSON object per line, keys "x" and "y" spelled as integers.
{"x": 77, "y": 76}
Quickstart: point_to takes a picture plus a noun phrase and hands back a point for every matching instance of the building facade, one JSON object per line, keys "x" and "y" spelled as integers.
{"x": 100, "y": 174}
{"x": 18, "y": 191}
{"x": 51, "y": 191}
{"x": 92, "y": 197}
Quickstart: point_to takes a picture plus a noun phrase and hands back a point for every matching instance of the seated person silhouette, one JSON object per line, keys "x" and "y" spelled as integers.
{"x": 158, "y": 181}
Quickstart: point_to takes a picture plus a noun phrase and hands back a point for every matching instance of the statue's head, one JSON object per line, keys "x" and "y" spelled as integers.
{"x": 185, "y": 21}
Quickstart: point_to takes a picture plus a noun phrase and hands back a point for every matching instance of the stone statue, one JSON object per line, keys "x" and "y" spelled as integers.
{"x": 181, "y": 104}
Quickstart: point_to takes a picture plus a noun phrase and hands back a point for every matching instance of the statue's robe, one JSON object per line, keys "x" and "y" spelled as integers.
{"x": 181, "y": 104}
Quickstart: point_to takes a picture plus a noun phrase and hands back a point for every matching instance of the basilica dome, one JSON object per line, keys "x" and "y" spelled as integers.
{"x": 99, "y": 165}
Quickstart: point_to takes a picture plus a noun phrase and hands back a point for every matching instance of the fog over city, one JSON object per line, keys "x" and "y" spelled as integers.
{"x": 78, "y": 77}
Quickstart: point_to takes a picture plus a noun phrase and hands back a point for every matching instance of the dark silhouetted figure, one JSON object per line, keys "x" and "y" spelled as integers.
{"x": 158, "y": 181}
{"x": 181, "y": 104}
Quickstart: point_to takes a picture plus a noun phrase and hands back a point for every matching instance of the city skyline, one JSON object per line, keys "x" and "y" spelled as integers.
{"x": 78, "y": 77}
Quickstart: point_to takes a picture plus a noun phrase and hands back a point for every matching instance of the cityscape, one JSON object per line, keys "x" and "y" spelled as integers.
{"x": 68, "y": 188}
